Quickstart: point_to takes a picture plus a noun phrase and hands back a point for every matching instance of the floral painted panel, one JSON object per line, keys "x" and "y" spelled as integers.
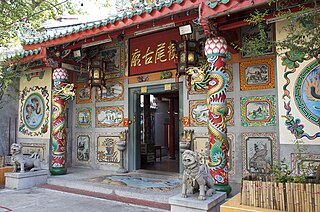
{"x": 259, "y": 152}
{"x": 109, "y": 116}
{"x": 83, "y": 117}
{"x": 34, "y": 111}
{"x": 114, "y": 91}
{"x": 107, "y": 149}
{"x": 258, "y": 111}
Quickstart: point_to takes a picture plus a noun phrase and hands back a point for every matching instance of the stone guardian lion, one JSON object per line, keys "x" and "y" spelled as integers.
{"x": 25, "y": 162}
{"x": 196, "y": 177}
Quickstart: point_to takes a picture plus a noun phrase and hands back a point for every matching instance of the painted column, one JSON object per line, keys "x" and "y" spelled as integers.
{"x": 61, "y": 92}
{"x": 215, "y": 51}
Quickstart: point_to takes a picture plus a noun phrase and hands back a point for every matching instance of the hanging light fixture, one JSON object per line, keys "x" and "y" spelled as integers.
{"x": 187, "y": 55}
{"x": 97, "y": 74}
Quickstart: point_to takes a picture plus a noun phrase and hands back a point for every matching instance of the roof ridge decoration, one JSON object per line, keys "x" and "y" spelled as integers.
{"x": 28, "y": 36}
{"x": 214, "y": 3}
{"x": 20, "y": 54}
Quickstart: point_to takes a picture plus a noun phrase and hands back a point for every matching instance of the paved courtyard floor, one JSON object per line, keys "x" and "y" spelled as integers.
{"x": 47, "y": 200}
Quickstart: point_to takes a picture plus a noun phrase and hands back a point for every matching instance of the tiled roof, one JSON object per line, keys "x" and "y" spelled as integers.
{"x": 68, "y": 30}
{"x": 20, "y": 54}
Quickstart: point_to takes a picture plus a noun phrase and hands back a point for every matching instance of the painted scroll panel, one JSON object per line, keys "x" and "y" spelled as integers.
{"x": 109, "y": 116}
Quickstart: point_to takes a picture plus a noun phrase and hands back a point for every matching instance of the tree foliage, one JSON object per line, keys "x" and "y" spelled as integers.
{"x": 32, "y": 11}
{"x": 302, "y": 29}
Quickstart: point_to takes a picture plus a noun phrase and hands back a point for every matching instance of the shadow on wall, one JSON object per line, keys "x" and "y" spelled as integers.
{"x": 8, "y": 121}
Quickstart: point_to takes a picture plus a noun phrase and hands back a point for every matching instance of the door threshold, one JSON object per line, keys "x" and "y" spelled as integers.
{"x": 155, "y": 172}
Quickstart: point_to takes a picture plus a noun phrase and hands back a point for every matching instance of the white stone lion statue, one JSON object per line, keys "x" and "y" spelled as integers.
{"x": 25, "y": 162}
{"x": 196, "y": 177}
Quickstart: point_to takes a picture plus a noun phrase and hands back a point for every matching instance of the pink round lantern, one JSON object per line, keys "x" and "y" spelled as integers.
{"x": 215, "y": 45}
{"x": 60, "y": 74}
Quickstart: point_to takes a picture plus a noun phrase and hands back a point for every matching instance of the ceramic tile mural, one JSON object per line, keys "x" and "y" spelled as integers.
{"x": 307, "y": 93}
{"x": 231, "y": 140}
{"x": 258, "y": 111}
{"x": 83, "y": 147}
{"x": 34, "y": 110}
{"x": 114, "y": 56}
{"x": 305, "y": 162}
{"x": 107, "y": 149}
{"x": 199, "y": 112}
{"x": 83, "y": 93}
{"x": 257, "y": 74}
{"x": 230, "y": 115}
{"x": 83, "y": 117}
{"x": 259, "y": 151}
{"x": 30, "y": 148}
{"x": 109, "y": 116}
{"x": 228, "y": 70}
{"x": 201, "y": 142}
{"x": 114, "y": 91}
{"x": 252, "y": 30}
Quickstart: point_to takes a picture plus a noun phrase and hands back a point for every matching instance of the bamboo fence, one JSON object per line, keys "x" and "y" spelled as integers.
{"x": 292, "y": 197}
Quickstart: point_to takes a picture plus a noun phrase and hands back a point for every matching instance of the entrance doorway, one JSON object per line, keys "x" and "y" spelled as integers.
{"x": 155, "y": 130}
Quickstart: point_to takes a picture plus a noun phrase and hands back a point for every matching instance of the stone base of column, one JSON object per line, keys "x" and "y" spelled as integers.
{"x": 17, "y": 180}
{"x": 223, "y": 188}
{"x": 193, "y": 204}
{"x": 58, "y": 171}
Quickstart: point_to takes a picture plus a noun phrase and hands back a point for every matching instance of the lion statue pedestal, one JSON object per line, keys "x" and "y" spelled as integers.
{"x": 196, "y": 178}
{"x": 26, "y": 170}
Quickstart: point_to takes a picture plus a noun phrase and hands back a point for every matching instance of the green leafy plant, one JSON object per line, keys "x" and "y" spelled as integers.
{"x": 302, "y": 28}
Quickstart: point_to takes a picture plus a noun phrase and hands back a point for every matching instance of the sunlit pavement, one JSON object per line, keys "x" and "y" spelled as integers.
{"x": 44, "y": 199}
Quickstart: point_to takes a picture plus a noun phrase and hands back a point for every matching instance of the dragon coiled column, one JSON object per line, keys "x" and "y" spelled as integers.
{"x": 61, "y": 92}
{"x": 215, "y": 51}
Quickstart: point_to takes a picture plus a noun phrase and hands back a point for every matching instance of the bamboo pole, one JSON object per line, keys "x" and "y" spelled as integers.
{"x": 303, "y": 194}
{"x": 263, "y": 195}
{"x": 248, "y": 193}
{"x": 281, "y": 196}
{"x": 267, "y": 195}
{"x": 290, "y": 206}
{"x": 243, "y": 192}
{"x": 296, "y": 197}
{"x": 316, "y": 197}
